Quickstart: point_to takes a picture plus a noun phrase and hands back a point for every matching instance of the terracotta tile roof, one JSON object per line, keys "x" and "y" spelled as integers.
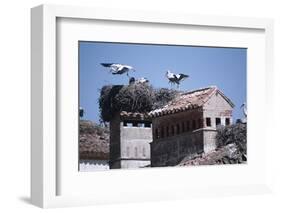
{"x": 189, "y": 100}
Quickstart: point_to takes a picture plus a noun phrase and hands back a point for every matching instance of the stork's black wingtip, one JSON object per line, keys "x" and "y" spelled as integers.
{"x": 105, "y": 64}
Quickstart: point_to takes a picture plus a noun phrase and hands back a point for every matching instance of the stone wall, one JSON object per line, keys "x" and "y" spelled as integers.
{"x": 176, "y": 136}
{"x": 170, "y": 151}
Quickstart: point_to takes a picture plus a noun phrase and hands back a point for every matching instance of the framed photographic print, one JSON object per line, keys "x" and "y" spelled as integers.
{"x": 130, "y": 106}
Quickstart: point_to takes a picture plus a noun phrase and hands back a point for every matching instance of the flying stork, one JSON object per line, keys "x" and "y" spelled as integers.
{"x": 175, "y": 78}
{"x": 120, "y": 69}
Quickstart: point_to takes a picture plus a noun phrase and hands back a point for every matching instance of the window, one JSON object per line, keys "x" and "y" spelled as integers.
{"x": 178, "y": 129}
{"x": 172, "y": 130}
{"x": 208, "y": 122}
{"x": 182, "y": 127}
{"x": 167, "y": 131}
{"x": 193, "y": 124}
{"x": 140, "y": 124}
{"x": 147, "y": 124}
{"x": 227, "y": 121}
{"x": 162, "y": 132}
{"x": 218, "y": 121}
{"x": 187, "y": 126}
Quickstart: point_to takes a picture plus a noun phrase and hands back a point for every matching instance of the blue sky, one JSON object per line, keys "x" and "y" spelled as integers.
{"x": 223, "y": 67}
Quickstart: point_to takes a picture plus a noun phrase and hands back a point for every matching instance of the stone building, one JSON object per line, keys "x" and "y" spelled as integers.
{"x": 130, "y": 135}
{"x": 186, "y": 126}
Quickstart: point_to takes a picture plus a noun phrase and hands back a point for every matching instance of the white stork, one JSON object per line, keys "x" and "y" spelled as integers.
{"x": 141, "y": 80}
{"x": 175, "y": 78}
{"x": 118, "y": 68}
{"x": 81, "y": 112}
{"x": 245, "y": 112}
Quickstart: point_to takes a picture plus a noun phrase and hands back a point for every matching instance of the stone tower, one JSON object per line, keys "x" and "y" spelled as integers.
{"x": 130, "y": 135}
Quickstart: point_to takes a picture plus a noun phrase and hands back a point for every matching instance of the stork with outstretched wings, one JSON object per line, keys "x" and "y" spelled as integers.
{"x": 175, "y": 78}
{"x": 119, "y": 69}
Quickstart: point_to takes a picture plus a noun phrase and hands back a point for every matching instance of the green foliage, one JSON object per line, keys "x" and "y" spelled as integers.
{"x": 234, "y": 134}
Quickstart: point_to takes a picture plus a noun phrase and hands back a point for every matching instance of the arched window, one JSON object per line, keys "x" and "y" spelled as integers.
{"x": 208, "y": 121}
{"x": 167, "y": 131}
{"x": 193, "y": 124}
{"x": 172, "y": 130}
{"x": 218, "y": 121}
{"x": 182, "y": 127}
{"x": 227, "y": 121}
{"x": 162, "y": 132}
{"x": 187, "y": 126}
{"x": 178, "y": 129}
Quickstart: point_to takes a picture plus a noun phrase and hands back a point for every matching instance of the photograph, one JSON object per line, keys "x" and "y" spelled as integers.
{"x": 160, "y": 105}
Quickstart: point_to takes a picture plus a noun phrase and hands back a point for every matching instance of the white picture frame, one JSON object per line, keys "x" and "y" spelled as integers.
{"x": 45, "y": 168}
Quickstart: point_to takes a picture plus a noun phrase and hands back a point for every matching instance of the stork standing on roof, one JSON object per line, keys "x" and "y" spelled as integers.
{"x": 119, "y": 69}
{"x": 175, "y": 78}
